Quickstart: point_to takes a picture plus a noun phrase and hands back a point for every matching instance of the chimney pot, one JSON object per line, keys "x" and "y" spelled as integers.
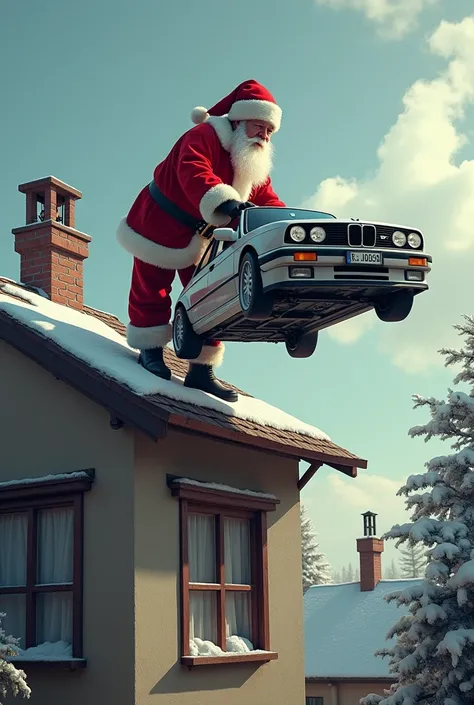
{"x": 370, "y": 551}
{"x": 51, "y": 250}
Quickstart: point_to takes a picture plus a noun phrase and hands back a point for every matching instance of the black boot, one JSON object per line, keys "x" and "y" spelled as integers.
{"x": 202, "y": 377}
{"x": 152, "y": 360}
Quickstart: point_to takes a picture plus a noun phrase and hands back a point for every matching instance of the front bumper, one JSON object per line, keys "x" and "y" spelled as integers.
{"x": 329, "y": 267}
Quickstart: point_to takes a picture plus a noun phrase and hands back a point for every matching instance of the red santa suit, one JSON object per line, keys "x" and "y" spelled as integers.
{"x": 197, "y": 176}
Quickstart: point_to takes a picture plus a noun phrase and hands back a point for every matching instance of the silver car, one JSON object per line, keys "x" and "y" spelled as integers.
{"x": 284, "y": 274}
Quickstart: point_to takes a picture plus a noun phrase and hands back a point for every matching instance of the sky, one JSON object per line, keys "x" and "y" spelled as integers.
{"x": 378, "y": 123}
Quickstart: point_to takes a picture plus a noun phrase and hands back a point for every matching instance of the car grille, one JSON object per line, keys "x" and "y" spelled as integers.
{"x": 354, "y": 234}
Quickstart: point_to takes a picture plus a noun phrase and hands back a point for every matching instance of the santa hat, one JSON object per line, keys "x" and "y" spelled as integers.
{"x": 249, "y": 101}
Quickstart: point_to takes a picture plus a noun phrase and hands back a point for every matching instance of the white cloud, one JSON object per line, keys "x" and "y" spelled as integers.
{"x": 422, "y": 181}
{"x": 393, "y": 18}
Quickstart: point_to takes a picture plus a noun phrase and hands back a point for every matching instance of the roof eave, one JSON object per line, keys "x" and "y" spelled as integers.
{"x": 124, "y": 406}
{"x": 344, "y": 464}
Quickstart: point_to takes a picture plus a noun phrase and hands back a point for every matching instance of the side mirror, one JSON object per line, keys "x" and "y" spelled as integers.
{"x": 225, "y": 235}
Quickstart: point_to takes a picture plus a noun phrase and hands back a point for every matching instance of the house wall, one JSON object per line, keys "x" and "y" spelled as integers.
{"x": 345, "y": 693}
{"x": 47, "y": 427}
{"x": 160, "y": 678}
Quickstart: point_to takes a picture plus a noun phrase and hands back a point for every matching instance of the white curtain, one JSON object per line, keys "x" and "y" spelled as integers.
{"x": 202, "y": 548}
{"x": 202, "y": 569}
{"x": 13, "y": 546}
{"x": 55, "y": 545}
{"x": 55, "y": 566}
{"x": 237, "y": 572}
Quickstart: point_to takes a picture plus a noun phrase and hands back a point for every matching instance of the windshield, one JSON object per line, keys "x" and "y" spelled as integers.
{"x": 261, "y": 216}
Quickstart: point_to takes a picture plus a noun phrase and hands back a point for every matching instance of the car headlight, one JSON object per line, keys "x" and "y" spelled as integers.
{"x": 414, "y": 240}
{"x": 317, "y": 234}
{"x": 297, "y": 233}
{"x": 398, "y": 238}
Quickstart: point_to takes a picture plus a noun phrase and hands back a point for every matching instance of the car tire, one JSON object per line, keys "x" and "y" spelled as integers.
{"x": 395, "y": 308}
{"x": 300, "y": 346}
{"x": 255, "y": 304}
{"x": 187, "y": 344}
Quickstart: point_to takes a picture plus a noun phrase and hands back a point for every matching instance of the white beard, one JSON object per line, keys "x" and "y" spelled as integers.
{"x": 252, "y": 164}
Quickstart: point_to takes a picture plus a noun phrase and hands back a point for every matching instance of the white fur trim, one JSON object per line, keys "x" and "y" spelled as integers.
{"x": 148, "y": 338}
{"x": 256, "y": 110}
{"x": 164, "y": 257}
{"x": 211, "y": 355}
{"x": 223, "y": 129}
{"x": 213, "y": 198}
{"x": 199, "y": 115}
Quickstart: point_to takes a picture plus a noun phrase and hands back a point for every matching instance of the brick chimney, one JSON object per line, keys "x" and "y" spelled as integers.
{"x": 51, "y": 250}
{"x": 370, "y": 550}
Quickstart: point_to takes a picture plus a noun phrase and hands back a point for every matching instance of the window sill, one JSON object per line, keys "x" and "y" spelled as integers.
{"x": 59, "y": 664}
{"x": 259, "y": 657}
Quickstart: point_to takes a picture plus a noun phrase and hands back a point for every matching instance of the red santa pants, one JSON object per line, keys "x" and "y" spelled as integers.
{"x": 149, "y": 302}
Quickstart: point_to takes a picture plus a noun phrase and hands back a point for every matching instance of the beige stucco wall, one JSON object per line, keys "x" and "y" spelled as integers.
{"x": 160, "y": 678}
{"x": 47, "y": 427}
{"x": 344, "y": 693}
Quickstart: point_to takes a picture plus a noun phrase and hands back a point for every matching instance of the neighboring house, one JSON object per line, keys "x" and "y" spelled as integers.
{"x": 149, "y": 533}
{"x": 345, "y": 625}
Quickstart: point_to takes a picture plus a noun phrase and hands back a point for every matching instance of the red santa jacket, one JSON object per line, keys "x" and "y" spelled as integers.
{"x": 197, "y": 176}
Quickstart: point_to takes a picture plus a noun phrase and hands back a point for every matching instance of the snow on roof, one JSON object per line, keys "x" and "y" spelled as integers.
{"x": 101, "y": 347}
{"x": 343, "y": 627}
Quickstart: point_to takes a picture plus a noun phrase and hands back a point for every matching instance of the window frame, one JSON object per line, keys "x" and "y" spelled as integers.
{"x": 195, "y": 499}
{"x": 30, "y": 498}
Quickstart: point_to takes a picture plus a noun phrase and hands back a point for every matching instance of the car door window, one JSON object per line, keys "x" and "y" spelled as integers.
{"x": 206, "y": 257}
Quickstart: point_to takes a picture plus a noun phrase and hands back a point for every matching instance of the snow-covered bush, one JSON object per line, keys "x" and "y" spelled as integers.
{"x": 432, "y": 659}
{"x": 11, "y": 679}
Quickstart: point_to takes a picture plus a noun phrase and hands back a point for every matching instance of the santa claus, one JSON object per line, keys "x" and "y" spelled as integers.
{"x": 213, "y": 171}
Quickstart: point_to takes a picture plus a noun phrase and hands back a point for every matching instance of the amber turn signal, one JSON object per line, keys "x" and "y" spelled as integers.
{"x": 305, "y": 256}
{"x": 417, "y": 261}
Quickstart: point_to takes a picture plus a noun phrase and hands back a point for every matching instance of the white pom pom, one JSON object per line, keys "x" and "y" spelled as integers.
{"x": 199, "y": 115}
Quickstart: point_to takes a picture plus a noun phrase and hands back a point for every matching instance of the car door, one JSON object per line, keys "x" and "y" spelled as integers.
{"x": 197, "y": 288}
{"x": 221, "y": 282}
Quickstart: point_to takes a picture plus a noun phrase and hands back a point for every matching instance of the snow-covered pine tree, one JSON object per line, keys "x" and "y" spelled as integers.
{"x": 413, "y": 561}
{"x": 316, "y": 569}
{"x": 392, "y": 572}
{"x": 432, "y": 660}
{"x": 12, "y": 679}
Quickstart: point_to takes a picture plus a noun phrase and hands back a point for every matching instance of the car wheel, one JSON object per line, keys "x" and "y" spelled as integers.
{"x": 187, "y": 344}
{"x": 255, "y": 304}
{"x": 301, "y": 345}
{"x": 397, "y": 307}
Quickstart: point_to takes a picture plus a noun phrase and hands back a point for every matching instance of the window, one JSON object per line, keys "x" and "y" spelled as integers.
{"x": 313, "y": 700}
{"x": 41, "y": 563}
{"x": 212, "y": 251}
{"x": 256, "y": 217}
{"x": 224, "y": 590}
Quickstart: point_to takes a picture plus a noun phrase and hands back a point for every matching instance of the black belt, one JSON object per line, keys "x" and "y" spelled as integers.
{"x": 199, "y": 226}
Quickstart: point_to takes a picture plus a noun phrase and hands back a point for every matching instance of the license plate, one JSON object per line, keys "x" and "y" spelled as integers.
{"x": 363, "y": 258}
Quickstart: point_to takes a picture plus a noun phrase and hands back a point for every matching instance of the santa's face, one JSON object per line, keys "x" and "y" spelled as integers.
{"x": 251, "y": 150}
{"x": 258, "y": 128}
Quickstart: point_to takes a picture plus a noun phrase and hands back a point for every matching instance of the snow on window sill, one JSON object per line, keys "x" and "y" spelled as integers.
{"x": 230, "y": 657}
{"x": 48, "y": 655}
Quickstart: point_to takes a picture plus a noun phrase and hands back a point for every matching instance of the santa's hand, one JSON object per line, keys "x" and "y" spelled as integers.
{"x": 232, "y": 208}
